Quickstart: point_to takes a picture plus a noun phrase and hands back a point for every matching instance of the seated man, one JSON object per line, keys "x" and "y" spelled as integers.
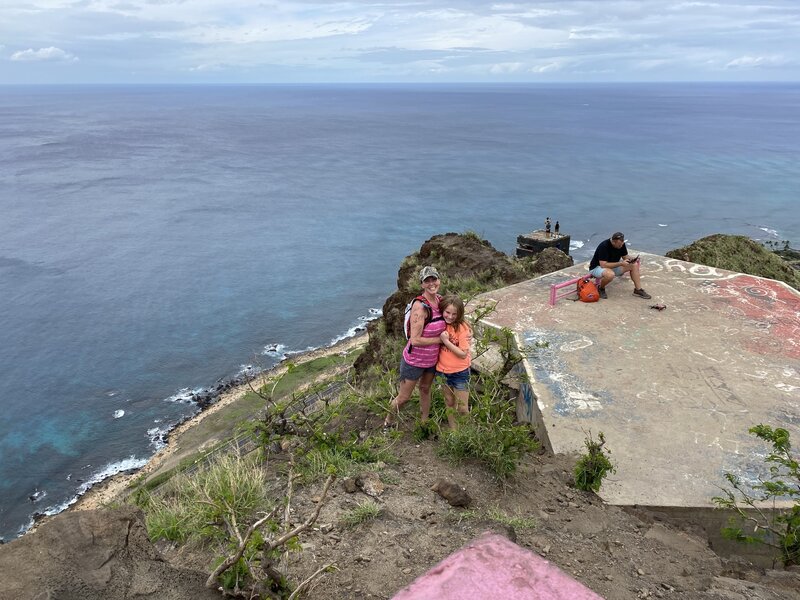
{"x": 611, "y": 259}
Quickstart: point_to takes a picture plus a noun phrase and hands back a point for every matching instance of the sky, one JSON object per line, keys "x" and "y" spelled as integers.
{"x": 427, "y": 41}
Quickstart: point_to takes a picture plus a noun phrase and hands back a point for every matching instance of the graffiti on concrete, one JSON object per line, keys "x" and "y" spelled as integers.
{"x": 767, "y": 309}
{"x": 571, "y": 395}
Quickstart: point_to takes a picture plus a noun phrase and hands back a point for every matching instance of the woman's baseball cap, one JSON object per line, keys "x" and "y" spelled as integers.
{"x": 426, "y": 272}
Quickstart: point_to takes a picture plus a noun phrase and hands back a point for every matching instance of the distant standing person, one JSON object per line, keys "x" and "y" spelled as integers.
{"x": 610, "y": 260}
{"x": 557, "y": 227}
{"x": 547, "y": 227}
{"x": 454, "y": 358}
{"x": 418, "y": 364}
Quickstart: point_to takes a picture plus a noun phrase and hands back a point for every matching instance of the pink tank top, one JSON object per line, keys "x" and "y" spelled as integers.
{"x": 426, "y": 356}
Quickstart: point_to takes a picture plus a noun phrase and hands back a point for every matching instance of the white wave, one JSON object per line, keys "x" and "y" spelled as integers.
{"x": 118, "y": 414}
{"x": 157, "y": 435}
{"x": 247, "y": 371}
{"x": 374, "y": 313}
{"x": 280, "y": 352}
{"x": 37, "y": 495}
{"x": 663, "y": 225}
{"x": 274, "y": 350}
{"x": 127, "y": 464}
{"x": 185, "y": 395}
{"x": 769, "y": 231}
{"x": 575, "y": 244}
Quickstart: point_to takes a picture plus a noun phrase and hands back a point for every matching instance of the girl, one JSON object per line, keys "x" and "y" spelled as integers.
{"x": 454, "y": 358}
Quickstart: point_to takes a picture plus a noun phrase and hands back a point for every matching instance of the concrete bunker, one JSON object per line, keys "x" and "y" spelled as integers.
{"x": 674, "y": 391}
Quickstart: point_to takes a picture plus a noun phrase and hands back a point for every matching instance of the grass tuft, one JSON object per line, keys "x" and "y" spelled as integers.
{"x": 366, "y": 511}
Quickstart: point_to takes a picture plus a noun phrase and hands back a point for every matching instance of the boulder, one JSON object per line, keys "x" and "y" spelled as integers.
{"x": 94, "y": 555}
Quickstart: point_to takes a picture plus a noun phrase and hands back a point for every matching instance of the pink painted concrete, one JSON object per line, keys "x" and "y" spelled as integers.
{"x": 494, "y": 568}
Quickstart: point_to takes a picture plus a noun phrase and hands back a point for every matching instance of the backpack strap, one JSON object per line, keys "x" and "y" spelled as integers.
{"x": 428, "y": 317}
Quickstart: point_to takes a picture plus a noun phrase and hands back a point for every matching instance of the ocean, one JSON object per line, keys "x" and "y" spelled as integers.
{"x": 155, "y": 240}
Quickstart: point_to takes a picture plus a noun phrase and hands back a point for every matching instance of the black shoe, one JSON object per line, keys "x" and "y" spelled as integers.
{"x": 603, "y": 294}
{"x": 642, "y": 294}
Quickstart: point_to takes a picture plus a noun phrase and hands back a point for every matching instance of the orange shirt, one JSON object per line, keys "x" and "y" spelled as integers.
{"x": 448, "y": 361}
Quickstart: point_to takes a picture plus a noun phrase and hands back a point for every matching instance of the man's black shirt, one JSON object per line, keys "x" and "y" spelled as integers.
{"x": 606, "y": 251}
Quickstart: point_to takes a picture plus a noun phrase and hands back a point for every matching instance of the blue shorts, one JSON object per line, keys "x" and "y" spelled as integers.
{"x": 598, "y": 271}
{"x": 458, "y": 381}
{"x": 413, "y": 373}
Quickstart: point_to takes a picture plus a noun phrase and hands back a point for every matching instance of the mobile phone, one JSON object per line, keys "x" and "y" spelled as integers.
{"x": 633, "y": 260}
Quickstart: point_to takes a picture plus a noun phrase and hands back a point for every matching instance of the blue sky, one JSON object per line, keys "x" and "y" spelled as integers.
{"x": 264, "y": 41}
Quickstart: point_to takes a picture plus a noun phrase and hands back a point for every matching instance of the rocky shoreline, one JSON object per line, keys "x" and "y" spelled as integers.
{"x": 112, "y": 488}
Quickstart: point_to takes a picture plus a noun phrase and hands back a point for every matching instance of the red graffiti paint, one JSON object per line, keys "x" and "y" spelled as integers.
{"x": 769, "y": 310}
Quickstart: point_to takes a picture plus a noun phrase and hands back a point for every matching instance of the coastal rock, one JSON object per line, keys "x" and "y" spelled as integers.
{"x": 738, "y": 253}
{"x": 94, "y": 555}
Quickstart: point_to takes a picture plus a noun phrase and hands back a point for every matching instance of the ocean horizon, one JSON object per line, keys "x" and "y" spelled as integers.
{"x": 158, "y": 240}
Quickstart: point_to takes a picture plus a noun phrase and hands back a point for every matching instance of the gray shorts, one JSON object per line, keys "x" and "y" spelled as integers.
{"x": 598, "y": 271}
{"x": 413, "y": 373}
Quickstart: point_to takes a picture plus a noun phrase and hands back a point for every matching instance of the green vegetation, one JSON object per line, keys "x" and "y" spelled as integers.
{"x": 366, "y": 511}
{"x": 193, "y": 508}
{"x": 343, "y": 455}
{"x": 515, "y": 521}
{"x": 757, "y": 520}
{"x": 490, "y": 433}
{"x": 738, "y": 253}
{"x": 593, "y": 466}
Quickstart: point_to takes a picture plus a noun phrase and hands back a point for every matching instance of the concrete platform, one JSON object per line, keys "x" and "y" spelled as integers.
{"x": 674, "y": 391}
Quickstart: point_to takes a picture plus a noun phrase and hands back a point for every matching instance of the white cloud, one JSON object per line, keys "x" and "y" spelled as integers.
{"x": 274, "y": 40}
{"x": 505, "y": 68}
{"x": 43, "y": 54}
{"x": 747, "y": 62}
{"x": 593, "y": 33}
{"x": 209, "y": 67}
{"x": 546, "y": 68}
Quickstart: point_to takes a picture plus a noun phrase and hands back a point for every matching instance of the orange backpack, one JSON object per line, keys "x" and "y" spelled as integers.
{"x": 587, "y": 290}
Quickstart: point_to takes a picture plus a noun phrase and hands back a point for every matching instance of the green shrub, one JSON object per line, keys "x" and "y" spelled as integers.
{"x": 779, "y": 529}
{"x": 193, "y": 506}
{"x": 593, "y": 466}
{"x": 489, "y": 433}
{"x": 343, "y": 455}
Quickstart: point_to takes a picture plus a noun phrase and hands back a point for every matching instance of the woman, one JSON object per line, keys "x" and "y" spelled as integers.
{"x": 418, "y": 364}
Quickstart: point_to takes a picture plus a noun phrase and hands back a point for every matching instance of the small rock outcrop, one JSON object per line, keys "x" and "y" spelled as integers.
{"x": 94, "y": 555}
{"x": 452, "y": 492}
{"x": 738, "y": 253}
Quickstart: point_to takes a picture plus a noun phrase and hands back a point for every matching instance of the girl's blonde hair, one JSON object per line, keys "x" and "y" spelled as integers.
{"x": 453, "y": 300}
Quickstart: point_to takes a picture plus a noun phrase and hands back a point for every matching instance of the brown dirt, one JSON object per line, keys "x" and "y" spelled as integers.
{"x": 620, "y": 556}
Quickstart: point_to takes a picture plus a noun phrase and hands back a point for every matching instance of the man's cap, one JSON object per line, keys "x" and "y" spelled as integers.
{"x": 618, "y": 236}
{"x": 428, "y": 272}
